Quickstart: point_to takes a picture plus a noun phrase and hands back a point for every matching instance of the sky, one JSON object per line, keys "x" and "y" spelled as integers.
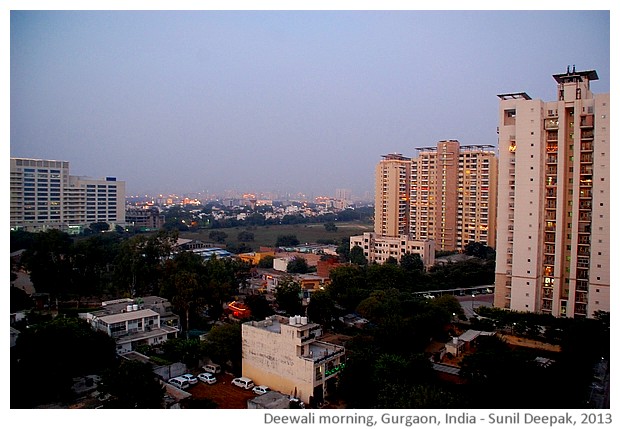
{"x": 175, "y": 101}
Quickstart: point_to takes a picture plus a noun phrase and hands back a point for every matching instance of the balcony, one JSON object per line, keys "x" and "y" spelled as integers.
{"x": 550, "y": 227}
{"x": 552, "y": 160}
{"x": 587, "y": 146}
{"x": 587, "y": 121}
{"x": 585, "y": 216}
{"x": 582, "y": 285}
{"x": 551, "y": 137}
{"x": 552, "y": 124}
{"x": 580, "y": 310}
{"x": 587, "y": 135}
{"x": 583, "y": 251}
{"x": 586, "y": 169}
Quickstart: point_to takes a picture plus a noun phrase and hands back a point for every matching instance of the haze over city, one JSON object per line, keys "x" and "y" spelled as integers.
{"x": 287, "y": 101}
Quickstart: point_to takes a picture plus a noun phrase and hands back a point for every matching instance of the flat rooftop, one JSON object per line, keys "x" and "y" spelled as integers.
{"x": 274, "y": 324}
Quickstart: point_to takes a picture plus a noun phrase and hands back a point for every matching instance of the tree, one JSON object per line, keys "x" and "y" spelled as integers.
{"x": 391, "y": 261}
{"x": 98, "y": 227}
{"x": 259, "y": 306}
{"x": 48, "y": 355}
{"x": 298, "y": 265}
{"x": 479, "y": 250}
{"x": 330, "y": 227}
{"x": 219, "y": 236}
{"x": 92, "y": 259}
{"x": 412, "y": 262}
{"x": 19, "y": 300}
{"x": 132, "y": 384}
{"x": 357, "y": 256}
{"x": 344, "y": 250}
{"x": 288, "y": 296}
{"x": 188, "y": 351}
{"x": 321, "y": 308}
{"x": 140, "y": 261}
{"x": 266, "y": 262}
{"x": 287, "y": 240}
{"x": 348, "y": 286}
{"x": 245, "y": 236}
{"x": 48, "y": 261}
{"x": 224, "y": 344}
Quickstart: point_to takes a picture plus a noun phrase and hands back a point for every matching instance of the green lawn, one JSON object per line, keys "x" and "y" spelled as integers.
{"x": 267, "y": 235}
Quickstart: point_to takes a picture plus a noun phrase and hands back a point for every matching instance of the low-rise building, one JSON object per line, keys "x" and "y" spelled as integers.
{"x": 146, "y": 321}
{"x": 145, "y": 218}
{"x": 269, "y": 401}
{"x": 285, "y": 354}
{"x": 378, "y": 248}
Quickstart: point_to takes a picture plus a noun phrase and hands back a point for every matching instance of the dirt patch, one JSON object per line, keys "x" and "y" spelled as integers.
{"x": 224, "y": 394}
{"x": 532, "y": 344}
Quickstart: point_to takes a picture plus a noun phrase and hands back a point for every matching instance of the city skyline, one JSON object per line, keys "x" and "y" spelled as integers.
{"x": 293, "y": 101}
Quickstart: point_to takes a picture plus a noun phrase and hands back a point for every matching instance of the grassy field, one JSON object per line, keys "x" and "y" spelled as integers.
{"x": 267, "y": 235}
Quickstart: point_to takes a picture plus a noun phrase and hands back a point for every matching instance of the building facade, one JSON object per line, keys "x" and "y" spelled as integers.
{"x": 143, "y": 321}
{"x": 44, "y": 196}
{"x": 453, "y": 195}
{"x": 379, "y": 248}
{"x": 145, "y": 218}
{"x": 553, "y": 200}
{"x": 444, "y": 198}
{"x": 285, "y": 354}
{"x": 392, "y": 195}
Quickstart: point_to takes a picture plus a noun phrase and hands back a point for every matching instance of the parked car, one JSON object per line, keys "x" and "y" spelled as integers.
{"x": 191, "y": 378}
{"x": 207, "y": 377}
{"x": 261, "y": 390}
{"x": 244, "y": 382}
{"x": 179, "y": 382}
{"x": 213, "y": 368}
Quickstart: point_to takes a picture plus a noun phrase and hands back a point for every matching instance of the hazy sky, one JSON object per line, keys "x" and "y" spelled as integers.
{"x": 186, "y": 101}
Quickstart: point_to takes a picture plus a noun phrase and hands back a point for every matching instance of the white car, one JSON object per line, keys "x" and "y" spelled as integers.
{"x": 179, "y": 382}
{"x": 189, "y": 377}
{"x": 207, "y": 377}
{"x": 261, "y": 390}
{"x": 243, "y": 382}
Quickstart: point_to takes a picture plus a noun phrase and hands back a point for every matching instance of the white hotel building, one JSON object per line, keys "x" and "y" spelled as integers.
{"x": 44, "y": 196}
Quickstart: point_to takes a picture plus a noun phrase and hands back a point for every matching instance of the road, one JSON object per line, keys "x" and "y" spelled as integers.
{"x": 470, "y": 304}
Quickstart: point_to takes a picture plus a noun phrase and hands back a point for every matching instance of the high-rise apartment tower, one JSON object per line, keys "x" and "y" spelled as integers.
{"x": 553, "y": 200}
{"x": 453, "y": 195}
{"x": 392, "y": 195}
